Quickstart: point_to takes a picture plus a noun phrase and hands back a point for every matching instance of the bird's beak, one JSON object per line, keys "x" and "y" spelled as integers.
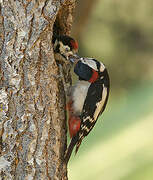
{"x": 74, "y": 58}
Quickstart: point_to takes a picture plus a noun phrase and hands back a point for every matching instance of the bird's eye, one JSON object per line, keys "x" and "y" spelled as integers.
{"x": 67, "y": 49}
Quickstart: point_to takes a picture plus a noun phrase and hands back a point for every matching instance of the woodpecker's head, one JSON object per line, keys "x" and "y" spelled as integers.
{"x": 88, "y": 69}
{"x": 64, "y": 46}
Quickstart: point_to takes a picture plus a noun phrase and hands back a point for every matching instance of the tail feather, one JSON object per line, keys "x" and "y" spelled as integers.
{"x": 77, "y": 146}
{"x": 70, "y": 148}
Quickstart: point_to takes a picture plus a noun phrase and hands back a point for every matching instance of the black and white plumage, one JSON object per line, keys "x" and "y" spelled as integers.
{"x": 89, "y": 97}
{"x": 64, "y": 46}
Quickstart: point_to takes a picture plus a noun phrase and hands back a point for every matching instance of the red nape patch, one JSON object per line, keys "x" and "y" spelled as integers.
{"x": 94, "y": 76}
{"x": 74, "y": 125}
{"x": 74, "y": 44}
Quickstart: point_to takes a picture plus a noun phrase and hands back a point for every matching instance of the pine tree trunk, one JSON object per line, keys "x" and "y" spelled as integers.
{"x": 32, "y": 97}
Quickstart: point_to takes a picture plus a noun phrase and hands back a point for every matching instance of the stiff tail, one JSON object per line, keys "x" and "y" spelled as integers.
{"x": 70, "y": 148}
{"x": 77, "y": 146}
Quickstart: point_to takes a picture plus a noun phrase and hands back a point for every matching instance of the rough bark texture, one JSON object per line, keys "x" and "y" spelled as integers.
{"x": 32, "y": 97}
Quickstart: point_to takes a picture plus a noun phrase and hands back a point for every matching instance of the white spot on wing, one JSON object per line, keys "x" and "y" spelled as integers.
{"x": 88, "y": 118}
{"x": 85, "y": 128}
{"x": 100, "y": 104}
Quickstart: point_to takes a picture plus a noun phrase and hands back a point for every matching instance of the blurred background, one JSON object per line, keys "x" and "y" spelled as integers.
{"x": 120, "y": 34}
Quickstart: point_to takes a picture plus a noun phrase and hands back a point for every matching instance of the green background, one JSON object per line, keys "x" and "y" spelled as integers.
{"x": 120, "y": 147}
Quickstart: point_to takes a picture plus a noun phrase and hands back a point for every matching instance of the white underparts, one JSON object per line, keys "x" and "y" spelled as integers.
{"x": 79, "y": 93}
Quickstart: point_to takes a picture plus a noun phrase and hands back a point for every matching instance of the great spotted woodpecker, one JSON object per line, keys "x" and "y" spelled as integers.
{"x": 64, "y": 46}
{"x": 88, "y": 97}
{"x": 87, "y": 100}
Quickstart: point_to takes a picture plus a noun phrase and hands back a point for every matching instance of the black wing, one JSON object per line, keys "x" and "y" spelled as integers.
{"x": 94, "y": 105}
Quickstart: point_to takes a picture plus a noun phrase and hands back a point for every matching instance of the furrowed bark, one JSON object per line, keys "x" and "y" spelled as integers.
{"x": 32, "y": 97}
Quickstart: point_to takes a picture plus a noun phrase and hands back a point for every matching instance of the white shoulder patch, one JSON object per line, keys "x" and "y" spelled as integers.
{"x": 100, "y": 104}
{"x": 102, "y": 67}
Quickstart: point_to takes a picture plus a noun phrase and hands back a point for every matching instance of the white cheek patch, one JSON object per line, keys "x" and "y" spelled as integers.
{"x": 64, "y": 49}
{"x": 90, "y": 63}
